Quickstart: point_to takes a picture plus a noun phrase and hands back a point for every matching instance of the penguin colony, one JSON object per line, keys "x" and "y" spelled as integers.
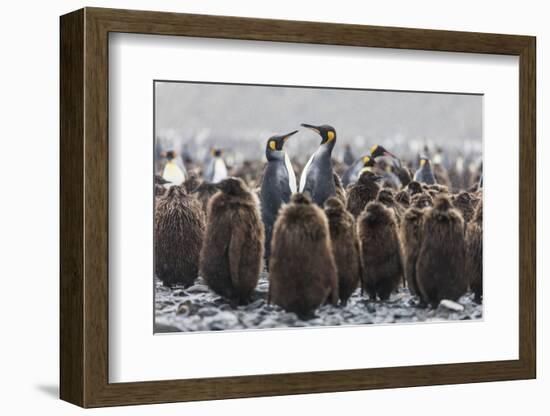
{"x": 367, "y": 225}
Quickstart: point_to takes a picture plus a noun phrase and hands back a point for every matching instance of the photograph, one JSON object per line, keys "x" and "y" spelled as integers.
{"x": 286, "y": 206}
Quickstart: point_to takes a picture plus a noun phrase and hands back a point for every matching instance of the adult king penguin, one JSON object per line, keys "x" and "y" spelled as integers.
{"x": 173, "y": 172}
{"x": 216, "y": 170}
{"x": 402, "y": 173}
{"x": 425, "y": 173}
{"x": 279, "y": 183}
{"x": 317, "y": 178}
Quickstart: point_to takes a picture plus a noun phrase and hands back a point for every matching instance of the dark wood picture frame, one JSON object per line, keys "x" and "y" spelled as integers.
{"x": 84, "y": 207}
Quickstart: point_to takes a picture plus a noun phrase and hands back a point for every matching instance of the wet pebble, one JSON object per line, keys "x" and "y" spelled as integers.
{"x": 198, "y": 288}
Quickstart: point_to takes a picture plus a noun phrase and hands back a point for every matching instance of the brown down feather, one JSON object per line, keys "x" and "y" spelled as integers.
{"x": 302, "y": 268}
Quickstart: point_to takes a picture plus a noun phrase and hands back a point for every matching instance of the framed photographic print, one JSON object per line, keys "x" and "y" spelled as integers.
{"x": 255, "y": 207}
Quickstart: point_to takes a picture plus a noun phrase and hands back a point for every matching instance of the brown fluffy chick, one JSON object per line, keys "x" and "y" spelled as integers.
{"x": 362, "y": 192}
{"x": 411, "y": 238}
{"x": 302, "y": 270}
{"x": 204, "y": 192}
{"x": 231, "y": 256}
{"x": 402, "y": 197}
{"x": 380, "y": 251}
{"x": 191, "y": 183}
{"x": 474, "y": 252}
{"x": 465, "y": 203}
{"x": 345, "y": 247}
{"x": 440, "y": 265}
{"x": 179, "y": 232}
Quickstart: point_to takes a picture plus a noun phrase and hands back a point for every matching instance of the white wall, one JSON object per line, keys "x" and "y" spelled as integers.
{"x": 29, "y": 208}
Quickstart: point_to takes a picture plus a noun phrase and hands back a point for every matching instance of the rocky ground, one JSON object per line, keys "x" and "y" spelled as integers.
{"x": 198, "y": 309}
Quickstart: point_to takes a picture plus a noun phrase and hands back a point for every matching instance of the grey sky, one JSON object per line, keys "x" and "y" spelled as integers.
{"x": 240, "y": 115}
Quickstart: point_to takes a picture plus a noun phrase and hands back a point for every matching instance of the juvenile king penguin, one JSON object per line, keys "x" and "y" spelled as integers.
{"x": 440, "y": 265}
{"x": 380, "y": 251}
{"x": 278, "y": 184}
{"x": 474, "y": 252}
{"x": 179, "y": 231}
{"x": 204, "y": 192}
{"x": 362, "y": 192}
{"x": 401, "y": 171}
{"x": 302, "y": 268}
{"x": 216, "y": 170}
{"x": 345, "y": 247}
{"x": 411, "y": 237}
{"x": 317, "y": 177}
{"x": 231, "y": 255}
{"x": 174, "y": 172}
{"x": 425, "y": 173}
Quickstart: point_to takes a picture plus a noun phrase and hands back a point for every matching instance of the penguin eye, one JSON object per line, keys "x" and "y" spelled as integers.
{"x": 272, "y": 145}
{"x": 330, "y": 135}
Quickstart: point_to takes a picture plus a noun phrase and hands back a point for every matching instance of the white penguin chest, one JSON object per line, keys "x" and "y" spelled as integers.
{"x": 220, "y": 170}
{"x": 173, "y": 174}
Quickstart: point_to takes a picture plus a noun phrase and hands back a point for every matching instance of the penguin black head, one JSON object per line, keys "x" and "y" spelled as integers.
{"x": 377, "y": 151}
{"x": 327, "y": 133}
{"x": 170, "y": 154}
{"x": 301, "y": 198}
{"x": 276, "y": 143}
{"x": 233, "y": 186}
{"x": 216, "y": 152}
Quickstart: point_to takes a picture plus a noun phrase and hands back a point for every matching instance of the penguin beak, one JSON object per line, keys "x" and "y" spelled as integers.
{"x": 309, "y": 126}
{"x": 287, "y": 136}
